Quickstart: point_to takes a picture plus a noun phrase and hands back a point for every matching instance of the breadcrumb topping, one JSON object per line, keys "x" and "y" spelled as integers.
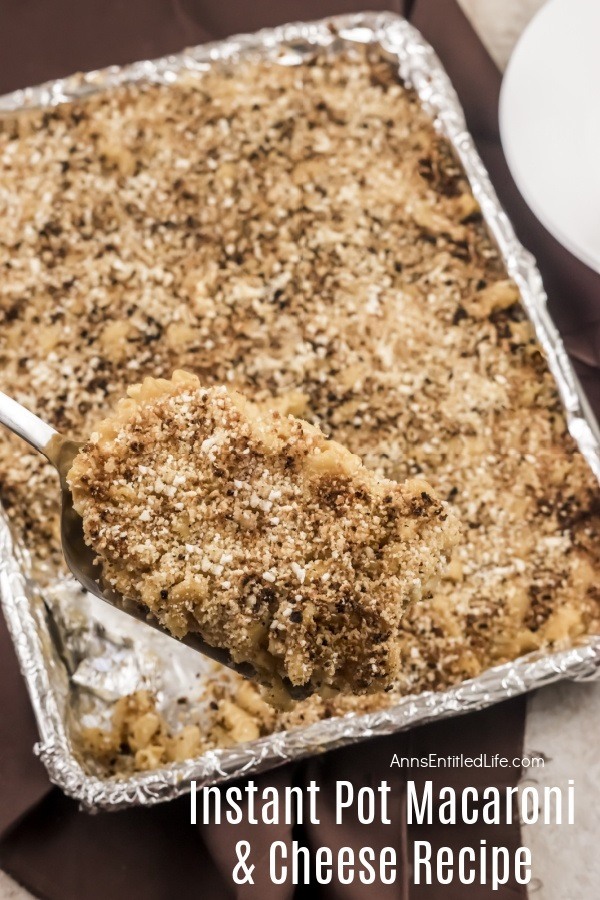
{"x": 254, "y": 530}
{"x": 304, "y": 233}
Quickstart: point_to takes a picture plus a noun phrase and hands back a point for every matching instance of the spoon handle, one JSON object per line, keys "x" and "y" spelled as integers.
{"x": 25, "y": 423}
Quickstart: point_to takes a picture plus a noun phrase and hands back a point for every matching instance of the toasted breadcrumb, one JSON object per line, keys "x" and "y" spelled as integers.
{"x": 303, "y": 232}
{"x": 254, "y": 530}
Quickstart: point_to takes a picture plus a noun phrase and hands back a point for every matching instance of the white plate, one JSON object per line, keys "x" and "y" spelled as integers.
{"x": 550, "y": 122}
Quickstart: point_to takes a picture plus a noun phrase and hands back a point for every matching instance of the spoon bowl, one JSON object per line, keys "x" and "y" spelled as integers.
{"x": 81, "y": 560}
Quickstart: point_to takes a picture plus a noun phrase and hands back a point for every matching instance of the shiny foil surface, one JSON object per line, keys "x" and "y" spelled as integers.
{"x": 78, "y": 655}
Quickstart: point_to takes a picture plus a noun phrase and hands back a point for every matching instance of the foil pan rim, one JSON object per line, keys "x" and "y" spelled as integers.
{"x": 580, "y": 663}
{"x": 419, "y": 66}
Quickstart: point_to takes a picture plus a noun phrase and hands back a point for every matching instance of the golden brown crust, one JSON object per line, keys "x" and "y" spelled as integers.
{"x": 301, "y": 229}
{"x": 253, "y": 529}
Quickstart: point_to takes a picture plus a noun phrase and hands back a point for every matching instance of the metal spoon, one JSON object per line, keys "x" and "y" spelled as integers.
{"x": 61, "y": 451}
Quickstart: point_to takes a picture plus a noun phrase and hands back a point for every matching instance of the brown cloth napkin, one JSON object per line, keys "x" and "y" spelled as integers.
{"x": 60, "y": 853}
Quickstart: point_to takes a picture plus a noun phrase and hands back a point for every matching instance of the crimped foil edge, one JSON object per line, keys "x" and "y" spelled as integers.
{"x": 23, "y": 607}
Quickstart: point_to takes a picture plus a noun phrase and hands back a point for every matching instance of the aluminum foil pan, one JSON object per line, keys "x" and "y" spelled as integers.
{"x": 77, "y": 654}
